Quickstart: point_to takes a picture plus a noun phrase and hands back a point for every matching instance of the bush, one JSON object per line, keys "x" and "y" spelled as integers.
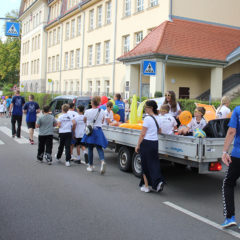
{"x": 158, "y": 94}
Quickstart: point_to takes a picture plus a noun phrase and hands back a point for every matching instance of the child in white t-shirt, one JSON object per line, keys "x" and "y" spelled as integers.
{"x": 1, "y": 108}
{"x": 109, "y": 120}
{"x": 79, "y": 132}
{"x": 167, "y": 122}
{"x": 197, "y": 122}
{"x": 223, "y": 110}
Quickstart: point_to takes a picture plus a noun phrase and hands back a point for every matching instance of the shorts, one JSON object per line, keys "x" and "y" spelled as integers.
{"x": 79, "y": 142}
{"x": 31, "y": 125}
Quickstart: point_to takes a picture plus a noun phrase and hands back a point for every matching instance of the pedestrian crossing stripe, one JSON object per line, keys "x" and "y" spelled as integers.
{"x": 149, "y": 69}
{"x": 12, "y": 30}
{"x": 8, "y": 132}
{"x": 1, "y": 142}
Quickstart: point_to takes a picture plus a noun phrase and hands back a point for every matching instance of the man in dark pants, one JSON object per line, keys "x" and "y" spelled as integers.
{"x": 233, "y": 172}
{"x": 16, "y": 111}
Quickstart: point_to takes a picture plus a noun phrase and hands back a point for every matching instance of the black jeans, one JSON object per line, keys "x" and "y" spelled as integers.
{"x": 45, "y": 144}
{"x": 65, "y": 141}
{"x": 18, "y": 119}
{"x": 229, "y": 182}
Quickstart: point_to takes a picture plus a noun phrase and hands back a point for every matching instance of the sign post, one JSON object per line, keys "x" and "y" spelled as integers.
{"x": 148, "y": 68}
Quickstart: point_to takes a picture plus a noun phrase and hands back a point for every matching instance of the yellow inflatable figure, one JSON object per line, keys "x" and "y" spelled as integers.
{"x": 133, "y": 114}
{"x": 140, "y": 111}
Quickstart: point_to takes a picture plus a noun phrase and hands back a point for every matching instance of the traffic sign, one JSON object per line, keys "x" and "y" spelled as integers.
{"x": 12, "y": 29}
{"x": 149, "y": 68}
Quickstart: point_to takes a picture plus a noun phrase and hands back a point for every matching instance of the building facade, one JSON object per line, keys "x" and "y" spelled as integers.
{"x": 80, "y": 42}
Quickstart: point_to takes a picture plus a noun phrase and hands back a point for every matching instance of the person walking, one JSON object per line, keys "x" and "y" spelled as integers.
{"x": 16, "y": 112}
{"x": 46, "y": 124}
{"x": 31, "y": 109}
{"x": 9, "y": 100}
{"x": 66, "y": 125}
{"x": 233, "y": 172}
{"x": 148, "y": 148}
{"x": 95, "y": 117}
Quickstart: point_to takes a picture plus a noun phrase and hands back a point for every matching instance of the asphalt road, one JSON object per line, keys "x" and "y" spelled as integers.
{"x": 41, "y": 202}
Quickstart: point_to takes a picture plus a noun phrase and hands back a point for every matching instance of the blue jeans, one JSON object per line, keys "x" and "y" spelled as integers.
{"x": 90, "y": 153}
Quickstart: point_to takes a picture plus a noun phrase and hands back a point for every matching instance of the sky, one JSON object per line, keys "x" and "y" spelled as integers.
{"x": 7, "y": 6}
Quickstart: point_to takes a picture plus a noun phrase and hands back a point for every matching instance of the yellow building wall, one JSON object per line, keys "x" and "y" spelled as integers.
{"x": 232, "y": 69}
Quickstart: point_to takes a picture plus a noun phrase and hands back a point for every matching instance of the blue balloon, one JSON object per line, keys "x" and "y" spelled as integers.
{"x": 103, "y": 107}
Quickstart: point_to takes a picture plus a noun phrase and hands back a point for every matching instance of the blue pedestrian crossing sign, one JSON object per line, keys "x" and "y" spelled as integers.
{"x": 149, "y": 67}
{"x": 12, "y": 29}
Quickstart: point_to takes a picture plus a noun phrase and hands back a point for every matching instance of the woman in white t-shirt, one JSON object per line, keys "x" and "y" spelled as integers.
{"x": 97, "y": 138}
{"x": 223, "y": 110}
{"x": 170, "y": 99}
{"x": 148, "y": 146}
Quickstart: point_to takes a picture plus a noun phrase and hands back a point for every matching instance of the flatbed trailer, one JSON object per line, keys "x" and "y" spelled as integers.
{"x": 203, "y": 154}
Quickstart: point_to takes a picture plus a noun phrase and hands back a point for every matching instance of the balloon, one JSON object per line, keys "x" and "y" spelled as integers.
{"x": 185, "y": 117}
{"x": 133, "y": 119}
{"x": 116, "y": 117}
{"x": 6, "y": 97}
{"x": 3, "y": 97}
{"x": 104, "y": 100}
{"x": 229, "y": 115}
{"x": 115, "y": 109}
{"x": 103, "y": 107}
{"x": 140, "y": 110}
{"x": 112, "y": 101}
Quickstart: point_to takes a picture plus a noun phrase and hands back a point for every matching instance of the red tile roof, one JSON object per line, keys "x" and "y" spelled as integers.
{"x": 188, "y": 39}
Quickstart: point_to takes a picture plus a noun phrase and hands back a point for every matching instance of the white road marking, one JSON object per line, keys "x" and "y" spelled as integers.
{"x": 1, "y": 142}
{"x": 202, "y": 219}
{"x": 8, "y": 132}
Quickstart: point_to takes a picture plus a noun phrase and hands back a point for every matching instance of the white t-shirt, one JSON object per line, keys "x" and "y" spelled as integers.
{"x": 174, "y": 114}
{"x": 66, "y": 123}
{"x": 152, "y": 131}
{"x": 108, "y": 115}
{"x": 90, "y": 114}
{"x": 80, "y": 126}
{"x": 194, "y": 124}
{"x": 222, "y": 112}
{"x": 72, "y": 113}
{"x": 1, "y": 108}
{"x": 167, "y": 123}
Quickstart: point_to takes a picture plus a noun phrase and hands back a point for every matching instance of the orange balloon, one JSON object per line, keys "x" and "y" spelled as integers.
{"x": 132, "y": 126}
{"x": 116, "y": 117}
{"x": 229, "y": 115}
{"x": 185, "y": 117}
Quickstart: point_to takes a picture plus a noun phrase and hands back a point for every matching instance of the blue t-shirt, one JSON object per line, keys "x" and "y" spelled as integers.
{"x": 17, "y": 102}
{"x": 9, "y": 100}
{"x": 31, "y": 108}
{"x": 121, "y": 110}
{"x": 235, "y": 123}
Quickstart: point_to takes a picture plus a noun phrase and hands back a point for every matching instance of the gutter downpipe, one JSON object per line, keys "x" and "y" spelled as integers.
{"x": 114, "y": 49}
{"x": 170, "y": 10}
{"x": 83, "y": 45}
{"x": 164, "y": 74}
{"x": 60, "y": 61}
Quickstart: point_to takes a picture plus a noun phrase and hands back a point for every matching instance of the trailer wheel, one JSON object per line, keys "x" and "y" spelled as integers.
{"x": 125, "y": 159}
{"x": 137, "y": 165}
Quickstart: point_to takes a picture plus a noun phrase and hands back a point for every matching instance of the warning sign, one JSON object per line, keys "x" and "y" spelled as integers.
{"x": 149, "y": 68}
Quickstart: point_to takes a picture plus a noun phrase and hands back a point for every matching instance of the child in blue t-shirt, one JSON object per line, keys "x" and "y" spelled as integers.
{"x": 121, "y": 106}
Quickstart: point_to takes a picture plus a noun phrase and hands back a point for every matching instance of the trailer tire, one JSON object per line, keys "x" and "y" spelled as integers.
{"x": 125, "y": 159}
{"x": 136, "y": 165}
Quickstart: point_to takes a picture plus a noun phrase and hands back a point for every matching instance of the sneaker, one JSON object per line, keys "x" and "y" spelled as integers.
{"x": 73, "y": 158}
{"x": 229, "y": 222}
{"x": 89, "y": 168}
{"x": 103, "y": 168}
{"x": 86, "y": 158}
{"x": 57, "y": 159}
{"x": 145, "y": 189}
{"x": 160, "y": 187}
{"x": 77, "y": 161}
{"x": 14, "y": 135}
{"x": 31, "y": 142}
{"x": 50, "y": 163}
{"x": 67, "y": 164}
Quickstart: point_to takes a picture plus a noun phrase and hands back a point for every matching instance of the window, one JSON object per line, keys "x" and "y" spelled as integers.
{"x": 71, "y": 59}
{"x": 37, "y": 67}
{"x": 57, "y": 63}
{"x": 127, "y": 7}
{"x": 38, "y": 41}
{"x": 98, "y": 87}
{"x": 58, "y": 35}
{"x": 99, "y": 17}
{"x": 139, "y": 37}
{"x": 73, "y": 28}
{"x": 107, "y": 51}
{"x": 91, "y": 16}
{"x": 66, "y": 61}
{"x": 140, "y": 5}
{"x": 37, "y": 19}
{"x": 153, "y": 3}
{"x": 108, "y": 12}
{"x": 33, "y": 21}
{"x": 53, "y": 64}
{"x": 126, "y": 44}
{"x": 98, "y": 53}
{"x": 90, "y": 87}
{"x": 67, "y": 31}
{"x": 78, "y": 58}
{"x": 107, "y": 87}
{"x": 40, "y": 17}
{"x": 79, "y": 26}
{"x": 32, "y": 66}
{"x": 49, "y": 64}
{"x": 50, "y": 39}
{"x": 32, "y": 44}
{"x": 54, "y": 37}
{"x": 90, "y": 53}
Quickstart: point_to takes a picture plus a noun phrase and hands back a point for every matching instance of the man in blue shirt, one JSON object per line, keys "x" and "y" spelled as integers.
{"x": 31, "y": 108}
{"x": 233, "y": 172}
{"x": 16, "y": 111}
{"x": 121, "y": 106}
